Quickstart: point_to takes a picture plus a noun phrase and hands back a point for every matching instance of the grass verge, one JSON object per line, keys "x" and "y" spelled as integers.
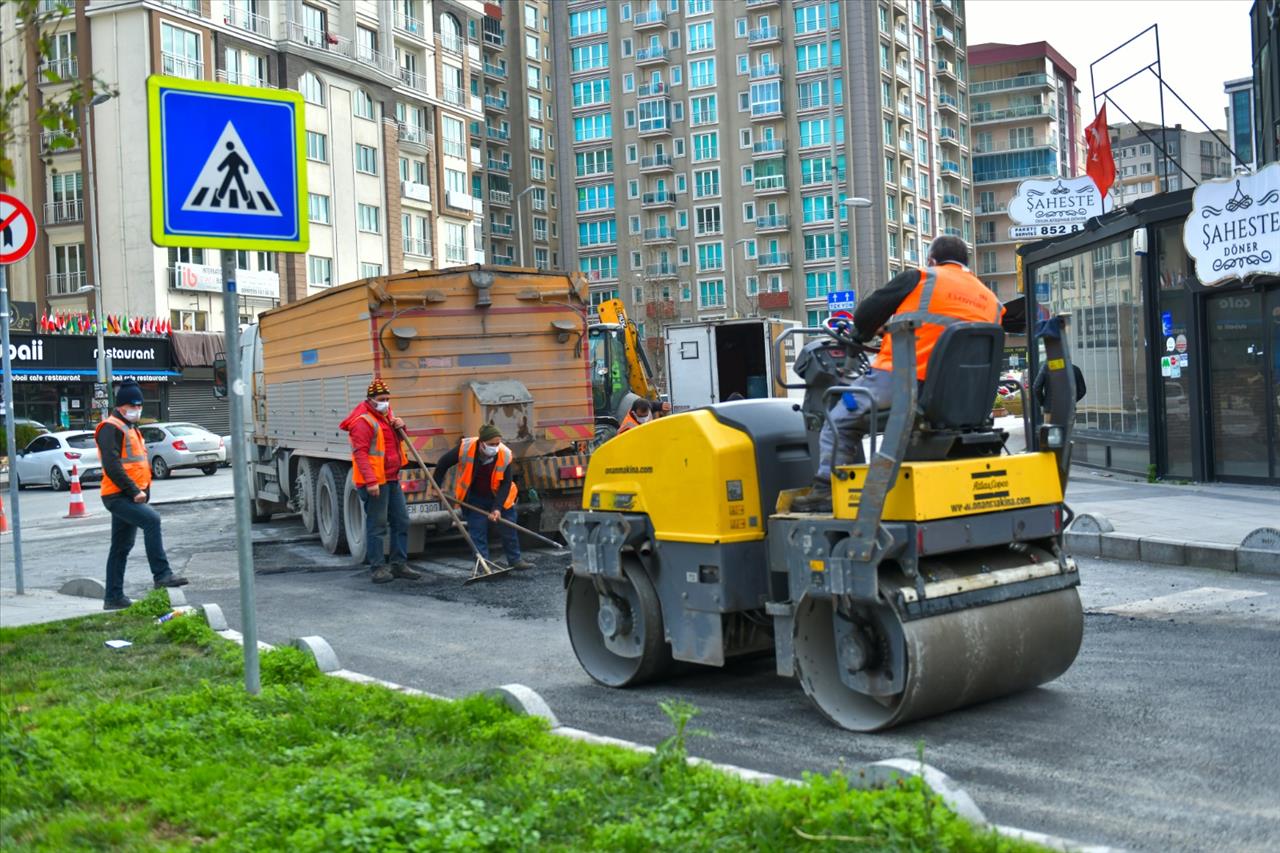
{"x": 157, "y": 746}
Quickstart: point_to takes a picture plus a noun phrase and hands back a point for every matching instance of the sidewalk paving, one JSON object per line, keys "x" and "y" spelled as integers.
{"x": 43, "y": 605}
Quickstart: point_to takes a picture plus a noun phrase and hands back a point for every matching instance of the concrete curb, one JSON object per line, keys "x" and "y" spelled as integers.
{"x": 1093, "y": 535}
{"x": 525, "y": 700}
{"x": 319, "y": 650}
{"x": 84, "y": 588}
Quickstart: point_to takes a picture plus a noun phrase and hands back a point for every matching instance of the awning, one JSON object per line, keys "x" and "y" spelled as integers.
{"x": 197, "y": 349}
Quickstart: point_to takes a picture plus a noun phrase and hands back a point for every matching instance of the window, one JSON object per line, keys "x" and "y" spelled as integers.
{"x": 818, "y": 285}
{"x": 708, "y": 219}
{"x": 311, "y": 88}
{"x": 363, "y": 104}
{"x": 588, "y": 56}
{"x": 318, "y": 208}
{"x": 537, "y": 168}
{"x": 453, "y": 137}
{"x": 706, "y": 146}
{"x": 653, "y": 114}
{"x": 599, "y": 126}
{"x": 810, "y": 19}
{"x": 598, "y": 267}
{"x": 629, "y": 118}
{"x": 68, "y": 268}
{"x": 633, "y": 225}
{"x": 317, "y": 147}
{"x": 370, "y": 270}
{"x": 817, "y": 208}
{"x": 818, "y": 131}
{"x": 633, "y": 189}
{"x": 740, "y": 27}
{"x": 627, "y": 47}
{"x": 67, "y": 196}
{"x": 711, "y": 293}
{"x": 243, "y": 67}
{"x": 597, "y": 162}
{"x": 766, "y": 98}
{"x": 599, "y": 197}
{"x": 530, "y": 16}
{"x": 319, "y": 271}
{"x": 366, "y": 159}
{"x": 749, "y": 211}
{"x": 706, "y": 183}
{"x": 598, "y": 233}
{"x": 455, "y": 181}
{"x": 703, "y": 110}
{"x": 813, "y": 57}
{"x": 748, "y": 175}
{"x": 367, "y": 42}
{"x": 590, "y": 22}
{"x": 695, "y": 7}
{"x": 744, "y": 64}
{"x": 180, "y": 52}
{"x": 628, "y": 82}
{"x": 367, "y": 218}
{"x": 702, "y": 37}
{"x": 702, "y": 73}
{"x": 589, "y": 92}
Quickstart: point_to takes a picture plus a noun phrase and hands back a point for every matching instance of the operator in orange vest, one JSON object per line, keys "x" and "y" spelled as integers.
{"x": 484, "y": 481}
{"x": 641, "y": 413}
{"x": 125, "y": 491}
{"x": 944, "y": 292}
{"x": 376, "y": 460}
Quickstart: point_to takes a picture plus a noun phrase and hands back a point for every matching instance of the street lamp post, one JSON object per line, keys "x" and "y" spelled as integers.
{"x": 733, "y": 274}
{"x": 853, "y": 204}
{"x": 519, "y": 228}
{"x": 103, "y": 378}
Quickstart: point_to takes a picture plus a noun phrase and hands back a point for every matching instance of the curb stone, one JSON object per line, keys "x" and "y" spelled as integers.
{"x": 1259, "y": 552}
{"x": 519, "y": 697}
{"x": 83, "y": 588}
{"x": 319, "y": 650}
{"x": 213, "y": 615}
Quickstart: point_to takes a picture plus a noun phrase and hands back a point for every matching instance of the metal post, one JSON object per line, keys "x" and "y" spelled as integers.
{"x": 93, "y": 225}
{"x": 520, "y": 230}
{"x": 11, "y": 438}
{"x": 836, "y": 207}
{"x": 236, "y": 391}
{"x": 733, "y": 279}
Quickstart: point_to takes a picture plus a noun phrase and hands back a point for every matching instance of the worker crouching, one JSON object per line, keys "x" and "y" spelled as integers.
{"x": 484, "y": 481}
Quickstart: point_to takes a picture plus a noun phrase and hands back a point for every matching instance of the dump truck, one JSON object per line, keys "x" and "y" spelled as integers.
{"x": 708, "y": 362}
{"x": 458, "y": 348}
{"x": 620, "y": 371}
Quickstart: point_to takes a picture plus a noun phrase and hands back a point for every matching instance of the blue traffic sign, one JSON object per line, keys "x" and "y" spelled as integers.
{"x": 1042, "y": 292}
{"x": 842, "y": 300}
{"x": 228, "y": 166}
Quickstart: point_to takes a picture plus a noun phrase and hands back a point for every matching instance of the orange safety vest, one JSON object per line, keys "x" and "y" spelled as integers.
{"x": 466, "y": 466}
{"x": 377, "y": 455}
{"x": 946, "y": 295}
{"x": 629, "y": 422}
{"x": 134, "y": 458}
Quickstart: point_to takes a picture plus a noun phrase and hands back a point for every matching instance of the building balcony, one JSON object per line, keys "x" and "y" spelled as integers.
{"x": 64, "y": 212}
{"x": 773, "y": 259}
{"x": 498, "y": 134}
{"x": 647, "y": 55}
{"x": 497, "y": 229}
{"x": 450, "y": 43}
{"x": 241, "y": 78}
{"x": 950, "y": 200}
{"x": 909, "y": 184}
{"x": 65, "y": 69}
{"x": 764, "y": 35}
{"x": 774, "y": 300}
{"x": 52, "y": 141}
{"x": 948, "y": 135}
{"x": 649, "y": 18}
{"x": 493, "y": 102}
{"x": 663, "y": 309}
{"x": 419, "y": 246}
{"x": 1033, "y": 111}
{"x": 698, "y": 118}
{"x": 502, "y": 166}
{"x": 411, "y": 133}
{"x": 947, "y": 6}
{"x": 949, "y": 102}
{"x": 904, "y": 110}
{"x": 656, "y": 271}
{"x": 773, "y": 145}
{"x": 766, "y": 110}
{"x": 654, "y": 127}
{"x": 656, "y": 163}
{"x": 1004, "y": 84}
{"x": 946, "y": 69}
{"x": 408, "y": 24}
{"x": 415, "y": 81}
{"x": 904, "y": 73}
{"x": 660, "y": 198}
{"x": 822, "y": 253}
{"x": 415, "y": 191}
{"x": 992, "y": 209}
{"x": 651, "y": 90}
{"x": 949, "y": 167}
{"x": 662, "y": 234}
{"x": 777, "y": 222}
{"x": 953, "y": 232}
{"x": 495, "y": 40}
{"x": 771, "y": 184}
{"x": 821, "y": 177}
{"x": 492, "y": 70}
{"x": 64, "y": 283}
{"x": 946, "y": 34}
{"x": 813, "y": 102}
{"x": 752, "y": 4}
{"x": 333, "y": 45}
{"x": 902, "y": 36}
{"x": 765, "y": 70}
{"x": 181, "y": 66}
{"x": 500, "y": 197}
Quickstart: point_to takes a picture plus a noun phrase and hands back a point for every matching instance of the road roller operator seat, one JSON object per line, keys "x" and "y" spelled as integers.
{"x": 954, "y": 406}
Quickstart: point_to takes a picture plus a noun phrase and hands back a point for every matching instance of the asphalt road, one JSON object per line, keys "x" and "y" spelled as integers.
{"x": 1162, "y": 736}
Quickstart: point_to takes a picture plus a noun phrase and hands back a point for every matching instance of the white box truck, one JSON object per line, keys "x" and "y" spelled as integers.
{"x": 708, "y": 362}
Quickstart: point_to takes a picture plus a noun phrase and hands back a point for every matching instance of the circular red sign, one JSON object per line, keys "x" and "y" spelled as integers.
{"x": 17, "y": 229}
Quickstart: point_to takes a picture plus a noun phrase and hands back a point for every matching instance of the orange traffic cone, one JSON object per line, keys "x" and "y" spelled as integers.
{"x": 4, "y": 521}
{"x": 77, "y": 499}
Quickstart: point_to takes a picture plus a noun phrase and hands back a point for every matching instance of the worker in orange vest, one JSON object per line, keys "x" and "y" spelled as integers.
{"x": 125, "y": 492}
{"x": 376, "y": 460}
{"x": 485, "y": 480}
{"x": 944, "y": 292}
{"x": 641, "y": 413}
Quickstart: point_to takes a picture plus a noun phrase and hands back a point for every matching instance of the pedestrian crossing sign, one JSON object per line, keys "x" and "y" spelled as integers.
{"x": 228, "y": 166}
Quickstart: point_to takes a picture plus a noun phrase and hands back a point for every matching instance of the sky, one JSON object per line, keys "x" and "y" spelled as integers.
{"x": 1203, "y": 43}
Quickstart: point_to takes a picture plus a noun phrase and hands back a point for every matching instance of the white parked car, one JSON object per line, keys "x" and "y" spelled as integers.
{"x": 171, "y": 447}
{"x": 48, "y": 459}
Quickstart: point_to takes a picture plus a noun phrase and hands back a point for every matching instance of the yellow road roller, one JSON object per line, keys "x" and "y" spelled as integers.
{"x": 938, "y": 580}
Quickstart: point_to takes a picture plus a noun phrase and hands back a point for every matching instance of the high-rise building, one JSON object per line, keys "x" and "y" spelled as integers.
{"x": 1264, "y": 27}
{"x": 1188, "y": 158}
{"x": 1025, "y": 118}
{"x": 713, "y": 150}
{"x": 1240, "y": 115}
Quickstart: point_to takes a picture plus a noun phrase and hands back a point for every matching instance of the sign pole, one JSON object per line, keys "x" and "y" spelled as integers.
{"x": 240, "y": 473}
{"x": 10, "y": 438}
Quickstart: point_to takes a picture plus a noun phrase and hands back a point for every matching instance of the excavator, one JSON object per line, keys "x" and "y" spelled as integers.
{"x": 939, "y": 578}
{"x": 620, "y": 371}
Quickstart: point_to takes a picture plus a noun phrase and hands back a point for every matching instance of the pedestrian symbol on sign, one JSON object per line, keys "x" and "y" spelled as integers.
{"x": 240, "y": 190}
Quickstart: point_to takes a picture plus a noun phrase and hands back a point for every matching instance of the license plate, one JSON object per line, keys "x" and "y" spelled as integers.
{"x": 206, "y": 457}
{"x": 423, "y": 509}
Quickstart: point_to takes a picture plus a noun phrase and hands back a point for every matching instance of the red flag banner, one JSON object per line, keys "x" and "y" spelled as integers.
{"x": 1100, "y": 165}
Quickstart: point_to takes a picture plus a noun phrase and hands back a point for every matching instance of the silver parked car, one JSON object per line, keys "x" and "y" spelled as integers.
{"x": 48, "y": 459}
{"x": 180, "y": 445}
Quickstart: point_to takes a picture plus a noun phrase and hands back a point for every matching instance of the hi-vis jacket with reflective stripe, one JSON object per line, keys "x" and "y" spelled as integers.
{"x": 133, "y": 456}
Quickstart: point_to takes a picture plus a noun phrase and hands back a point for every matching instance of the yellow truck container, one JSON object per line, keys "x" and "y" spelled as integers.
{"x": 458, "y": 348}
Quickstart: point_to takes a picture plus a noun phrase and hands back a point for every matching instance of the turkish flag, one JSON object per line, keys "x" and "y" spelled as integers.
{"x": 1100, "y": 165}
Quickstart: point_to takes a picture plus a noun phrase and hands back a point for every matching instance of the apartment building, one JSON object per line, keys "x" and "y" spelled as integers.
{"x": 1188, "y": 158}
{"x": 1240, "y": 119}
{"x": 405, "y": 131}
{"x": 713, "y": 151}
{"x": 1025, "y": 119}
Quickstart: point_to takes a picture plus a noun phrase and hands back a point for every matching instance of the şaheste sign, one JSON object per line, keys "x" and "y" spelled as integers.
{"x": 1233, "y": 229}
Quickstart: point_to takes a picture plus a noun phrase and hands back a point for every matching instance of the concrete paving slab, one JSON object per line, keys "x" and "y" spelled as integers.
{"x": 43, "y": 605}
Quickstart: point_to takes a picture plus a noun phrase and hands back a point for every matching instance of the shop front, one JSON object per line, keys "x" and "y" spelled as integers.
{"x": 1183, "y": 376}
{"x": 54, "y": 375}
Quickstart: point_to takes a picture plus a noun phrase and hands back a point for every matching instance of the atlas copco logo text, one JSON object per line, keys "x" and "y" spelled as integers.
{"x": 34, "y": 352}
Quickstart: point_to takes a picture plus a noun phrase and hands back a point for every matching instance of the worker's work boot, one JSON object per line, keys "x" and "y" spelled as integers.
{"x": 521, "y": 565}
{"x": 818, "y": 499}
{"x": 382, "y": 574}
{"x": 402, "y": 570}
{"x": 116, "y": 603}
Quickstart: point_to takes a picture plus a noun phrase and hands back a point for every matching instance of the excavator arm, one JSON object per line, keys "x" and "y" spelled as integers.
{"x": 639, "y": 374}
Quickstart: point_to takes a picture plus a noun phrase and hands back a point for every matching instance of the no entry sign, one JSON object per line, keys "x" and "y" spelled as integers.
{"x": 17, "y": 229}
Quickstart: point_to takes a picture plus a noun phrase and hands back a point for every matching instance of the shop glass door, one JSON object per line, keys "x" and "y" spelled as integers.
{"x": 1272, "y": 357}
{"x": 1242, "y": 383}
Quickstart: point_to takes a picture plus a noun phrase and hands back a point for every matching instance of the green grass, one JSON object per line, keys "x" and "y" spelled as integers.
{"x": 158, "y": 746}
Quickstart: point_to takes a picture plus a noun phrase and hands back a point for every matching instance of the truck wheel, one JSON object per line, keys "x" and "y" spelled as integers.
{"x": 333, "y": 535}
{"x": 304, "y": 493}
{"x": 353, "y": 518}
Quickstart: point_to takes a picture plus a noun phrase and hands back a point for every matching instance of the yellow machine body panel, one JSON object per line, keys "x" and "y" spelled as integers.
{"x": 948, "y": 488}
{"x": 692, "y": 475}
